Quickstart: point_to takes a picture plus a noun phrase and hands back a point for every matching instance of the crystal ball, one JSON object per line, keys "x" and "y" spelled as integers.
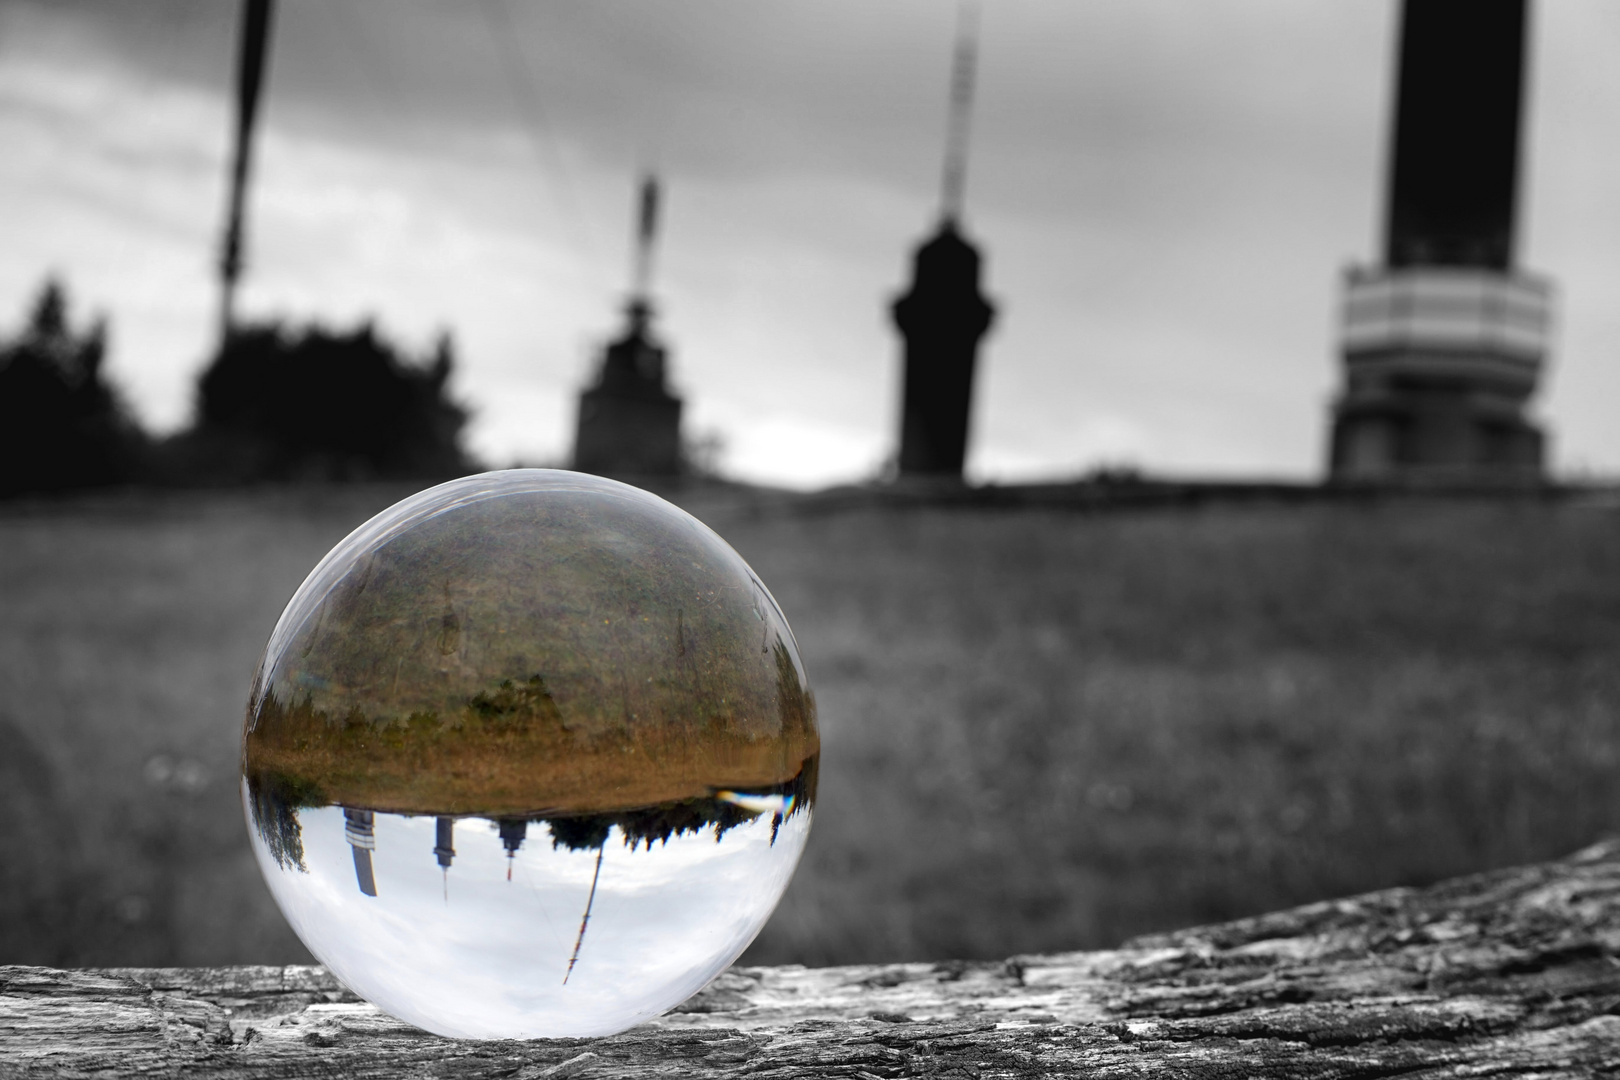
{"x": 530, "y": 753}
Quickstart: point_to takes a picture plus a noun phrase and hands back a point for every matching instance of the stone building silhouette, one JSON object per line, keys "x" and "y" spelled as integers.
{"x": 1444, "y": 343}
{"x": 943, "y": 315}
{"x": 629, "y": 420}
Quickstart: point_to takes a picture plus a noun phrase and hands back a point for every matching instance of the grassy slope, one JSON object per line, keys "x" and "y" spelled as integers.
{"x": 1045, "y": 731}
{"x": 129, "y": 628}
{"x": 1040, "y": 730}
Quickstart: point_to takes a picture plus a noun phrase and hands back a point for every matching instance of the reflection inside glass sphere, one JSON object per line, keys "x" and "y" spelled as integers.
{"x": 529, "y": 754}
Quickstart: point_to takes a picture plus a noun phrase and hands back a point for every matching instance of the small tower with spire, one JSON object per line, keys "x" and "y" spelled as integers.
{"x": 944, "y": 315}
{"x": 629, "y": 421}
{"x": 512, "y": 832}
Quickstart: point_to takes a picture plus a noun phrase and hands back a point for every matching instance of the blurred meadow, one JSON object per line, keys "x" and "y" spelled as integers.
{"x": 1044, "y": 728}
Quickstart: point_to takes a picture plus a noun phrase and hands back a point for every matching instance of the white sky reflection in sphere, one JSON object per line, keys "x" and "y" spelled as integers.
{"x": 467, "y": 953}
{"x": 529, "y": 754}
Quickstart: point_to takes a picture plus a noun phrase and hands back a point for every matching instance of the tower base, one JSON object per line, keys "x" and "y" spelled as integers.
{"x": 629, "y": 422}
{"x": 628, "y": 436}
{"x": 1434, "y": 435}
{"x": 1440, "y": 363}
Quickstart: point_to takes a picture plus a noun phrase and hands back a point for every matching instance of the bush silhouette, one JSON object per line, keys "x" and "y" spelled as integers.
{"x": 61, "y": 425}
{"x": 285, "y": 404}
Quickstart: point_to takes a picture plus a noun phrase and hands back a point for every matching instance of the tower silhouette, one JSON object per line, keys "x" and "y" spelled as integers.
{"x": 1444, "y": 343}
{"x": 941, "y": 320}
{"x": 512, "y": 831}
{"x": 943, "y": 316}
{"x": 629, "y": 421}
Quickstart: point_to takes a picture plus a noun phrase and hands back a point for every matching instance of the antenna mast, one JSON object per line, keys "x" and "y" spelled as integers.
{"x": 249, "y": 79}
{"x": 964, "y": 70}
{"x": 646, "y": 232}
{"x": 586, "y": 921}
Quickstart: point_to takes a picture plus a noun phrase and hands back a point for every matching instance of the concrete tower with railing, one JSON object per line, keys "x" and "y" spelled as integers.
{"x": 1444, "y": 343}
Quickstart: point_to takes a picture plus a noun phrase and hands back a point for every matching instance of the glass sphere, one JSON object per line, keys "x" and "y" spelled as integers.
{"x": 530, "y": 753}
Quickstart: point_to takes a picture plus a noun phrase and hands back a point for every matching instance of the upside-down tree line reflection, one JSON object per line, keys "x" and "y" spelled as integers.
{"x": 274, "y": 803}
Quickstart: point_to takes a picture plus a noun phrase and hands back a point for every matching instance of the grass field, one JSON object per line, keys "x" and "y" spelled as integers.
{"x": 1041, "y": 729}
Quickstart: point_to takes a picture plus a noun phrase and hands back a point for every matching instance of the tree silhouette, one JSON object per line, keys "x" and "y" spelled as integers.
{"x": 310, "y": 403}
{"x": 61, "y": 425}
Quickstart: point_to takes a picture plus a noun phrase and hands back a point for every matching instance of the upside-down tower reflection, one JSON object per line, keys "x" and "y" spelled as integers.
{"x": 444, "y": 847}
{"x": 359, "y": 831}
{"x": 1444, "y": 343}
{"x": 512, "y": 831}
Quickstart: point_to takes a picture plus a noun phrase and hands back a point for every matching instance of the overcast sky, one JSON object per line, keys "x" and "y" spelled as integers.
{"x": 1166, "y": 193}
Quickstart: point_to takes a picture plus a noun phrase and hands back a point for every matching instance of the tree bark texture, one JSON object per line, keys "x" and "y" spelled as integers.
{"x": 1512, "y": 973}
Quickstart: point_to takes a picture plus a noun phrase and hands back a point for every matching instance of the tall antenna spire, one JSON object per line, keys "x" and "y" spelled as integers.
{"x": 943, "y": 315}
{"x": 586, "y": 921}
{"x": 964, "y": 69}
{"x": 646, "y": 232}
{"x": 249, "y": 78}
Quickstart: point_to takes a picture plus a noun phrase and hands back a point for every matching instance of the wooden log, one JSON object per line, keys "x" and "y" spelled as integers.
{"x": 1513, "y": 973}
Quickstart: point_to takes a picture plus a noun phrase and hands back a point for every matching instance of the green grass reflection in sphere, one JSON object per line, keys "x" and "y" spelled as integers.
{"x": 530, "y": 753}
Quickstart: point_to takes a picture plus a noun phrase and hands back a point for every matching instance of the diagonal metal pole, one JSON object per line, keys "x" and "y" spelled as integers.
{"x": 251, "y": 62}
{"x": 580, "y": 940}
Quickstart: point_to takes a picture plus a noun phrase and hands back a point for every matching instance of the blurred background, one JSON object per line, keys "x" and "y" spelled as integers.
{"x": 1141, "y": 562}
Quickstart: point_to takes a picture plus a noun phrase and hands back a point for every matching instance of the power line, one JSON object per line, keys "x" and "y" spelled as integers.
{"x": 523, "y": 88}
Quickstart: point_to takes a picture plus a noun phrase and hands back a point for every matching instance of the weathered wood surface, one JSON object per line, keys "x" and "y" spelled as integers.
{"x": 1515, "y": 973}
